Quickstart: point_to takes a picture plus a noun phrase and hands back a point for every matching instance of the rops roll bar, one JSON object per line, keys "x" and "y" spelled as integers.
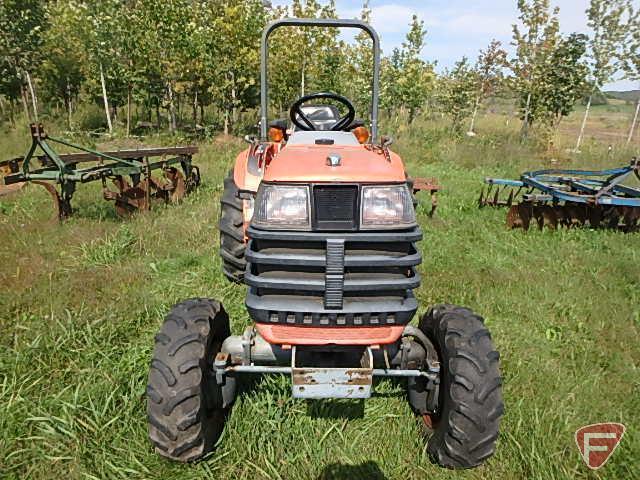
{"x": 318, "y": 22}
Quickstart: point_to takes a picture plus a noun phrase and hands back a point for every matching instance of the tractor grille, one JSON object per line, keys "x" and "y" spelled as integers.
{"x": 332, "y": 279}
{"x": 335, "y": 207}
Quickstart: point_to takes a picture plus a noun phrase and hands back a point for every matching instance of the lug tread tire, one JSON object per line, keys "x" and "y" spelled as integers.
{"x": 183, "y": 425}
{"x": 232, "y": 244}
{"x": 471, "y": 397}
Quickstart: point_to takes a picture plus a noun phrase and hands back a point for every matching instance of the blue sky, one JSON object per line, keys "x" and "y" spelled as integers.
{"x": 458, "y": 27}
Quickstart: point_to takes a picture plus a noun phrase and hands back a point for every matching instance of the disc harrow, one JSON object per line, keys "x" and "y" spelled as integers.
{"x": 130, "y": 171}
{"x": 568, "y": 198}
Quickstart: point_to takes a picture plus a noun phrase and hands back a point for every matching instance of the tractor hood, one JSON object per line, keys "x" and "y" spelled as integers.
{"x": 309, "y": 163}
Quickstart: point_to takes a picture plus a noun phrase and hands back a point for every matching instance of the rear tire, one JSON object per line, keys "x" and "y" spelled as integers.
{"x": 183, "y": 400}
{"x": 232, "y": 244}
{"x": 467, "y": 421}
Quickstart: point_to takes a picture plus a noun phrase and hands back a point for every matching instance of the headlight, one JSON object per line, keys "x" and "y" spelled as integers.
{"x": 279, "y": 206}
{"x": 386, "y": 207}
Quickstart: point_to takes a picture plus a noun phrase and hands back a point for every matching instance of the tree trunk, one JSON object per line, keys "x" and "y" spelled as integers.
{"x": 633, "y": 123}
{"x": 105, "y": 99}
{"x": 234, "y": 109}
{"x": 475, "y": 113}
{"x": 584, "y": 123}
{"x": 172, "y": 109}
{"x": 67, "y": 101}
{"x": 25, "y": 102}
{"x": 524, "y": 133}
{"x": 128, "y": 109}
{"x": 157, "y": 113}
{"x": 34, "y": 99}
{"x": 178, "y": 98}
{"x": 226, "y": 122}
{"x": 194, "y": 112}
{"x": 11, "y": 112}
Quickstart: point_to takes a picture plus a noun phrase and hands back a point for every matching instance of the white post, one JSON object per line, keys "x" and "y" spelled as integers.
{"x": 105, "y": 99}
{"x": 475, "y": 112}
{"x": 525, "y": 124}
{"x": 633, "y": 123}
{"x": 34, "y": 100}
{"x": 584, "y": 123}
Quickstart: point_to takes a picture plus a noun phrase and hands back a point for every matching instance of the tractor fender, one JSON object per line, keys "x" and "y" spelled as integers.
{"x": 247, "y": 173}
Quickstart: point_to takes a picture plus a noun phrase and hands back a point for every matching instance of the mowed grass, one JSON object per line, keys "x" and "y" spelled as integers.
{"x": 80, "y": 303}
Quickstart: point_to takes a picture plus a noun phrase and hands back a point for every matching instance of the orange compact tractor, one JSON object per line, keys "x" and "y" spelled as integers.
{"x": 318, "y": 221}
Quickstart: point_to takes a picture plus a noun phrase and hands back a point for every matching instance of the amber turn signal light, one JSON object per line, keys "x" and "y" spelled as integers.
{"x": 361, "y": 133}
{"x": 276, "y": 134}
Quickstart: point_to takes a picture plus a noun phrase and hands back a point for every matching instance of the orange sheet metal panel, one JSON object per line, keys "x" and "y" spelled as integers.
{"x": 296, "y": 335}
{"x": 308, "y": 163}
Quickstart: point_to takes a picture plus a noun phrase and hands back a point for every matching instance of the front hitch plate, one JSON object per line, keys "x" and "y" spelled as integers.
{"x": 316, "y": 382}
{"x": 331, "y": 382}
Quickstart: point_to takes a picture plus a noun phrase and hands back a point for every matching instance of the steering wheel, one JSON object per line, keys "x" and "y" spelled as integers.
{"x": 300, "y": 120}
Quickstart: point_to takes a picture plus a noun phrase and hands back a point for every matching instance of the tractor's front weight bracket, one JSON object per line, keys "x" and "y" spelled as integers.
{"x": 317, "y": 382}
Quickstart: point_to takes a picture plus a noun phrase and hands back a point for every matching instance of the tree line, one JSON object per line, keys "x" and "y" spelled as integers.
{"x": 191, "y": 63}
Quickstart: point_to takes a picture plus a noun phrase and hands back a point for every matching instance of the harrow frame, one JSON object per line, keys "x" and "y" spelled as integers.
{"x": 59, "y": 173}
{"x": 568, "y": 198}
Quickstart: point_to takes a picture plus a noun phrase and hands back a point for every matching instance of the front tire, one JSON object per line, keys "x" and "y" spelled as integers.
{"x": 184, "y": 408}
{"x": 470, "y": 406}
{"x": 232, "y": 244}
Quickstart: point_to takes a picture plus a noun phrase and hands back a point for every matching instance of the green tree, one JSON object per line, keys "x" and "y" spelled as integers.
{"x": 390, "y": 94}
{"x": 169, "y": 30}
{"x": 359, "y": 67}
{"x": 102, "y": 32}
{"x": 630, "y": 60}
{"x": 564, "y": 77}
{"x": 535, "y": 43}
{"x": 415, "y": 80}
{"x": 62, "y": 68}
{"x": 605, "y": 19}
{"x": 457, "y": 92}
{"x": 304, "y": 59}
{"x": 22, "y": 23}
{"x": 490, "y": 75}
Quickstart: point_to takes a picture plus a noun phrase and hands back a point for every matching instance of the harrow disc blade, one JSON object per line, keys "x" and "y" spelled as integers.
{"x": 631, "y": 217}
{"x": 177, "y": 187}
{"x": 131, "y": 199}
{"x": 193, "y": 180}
{"x": 612, "y": 217}
{"x": 519, "y": 216}
{"x": 546, "y": 216}
{"x": 595, "y": 216}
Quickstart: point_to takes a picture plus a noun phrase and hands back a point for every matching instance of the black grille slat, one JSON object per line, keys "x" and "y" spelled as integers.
{"x": 335, "y": 207}
{"x": 332, "y": 279}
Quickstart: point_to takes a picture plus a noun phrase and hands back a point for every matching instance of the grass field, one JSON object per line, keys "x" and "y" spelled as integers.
{"x": 81, "y": 302}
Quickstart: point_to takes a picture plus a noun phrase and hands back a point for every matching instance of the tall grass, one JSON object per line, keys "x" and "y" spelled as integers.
{"x": 80, "y": 303}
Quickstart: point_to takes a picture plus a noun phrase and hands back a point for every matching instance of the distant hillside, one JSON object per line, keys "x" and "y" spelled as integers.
{"x": 629, "y": 96}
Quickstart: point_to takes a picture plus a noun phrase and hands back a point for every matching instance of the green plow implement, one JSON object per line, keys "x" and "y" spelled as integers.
{"x": 128, "y": 170}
